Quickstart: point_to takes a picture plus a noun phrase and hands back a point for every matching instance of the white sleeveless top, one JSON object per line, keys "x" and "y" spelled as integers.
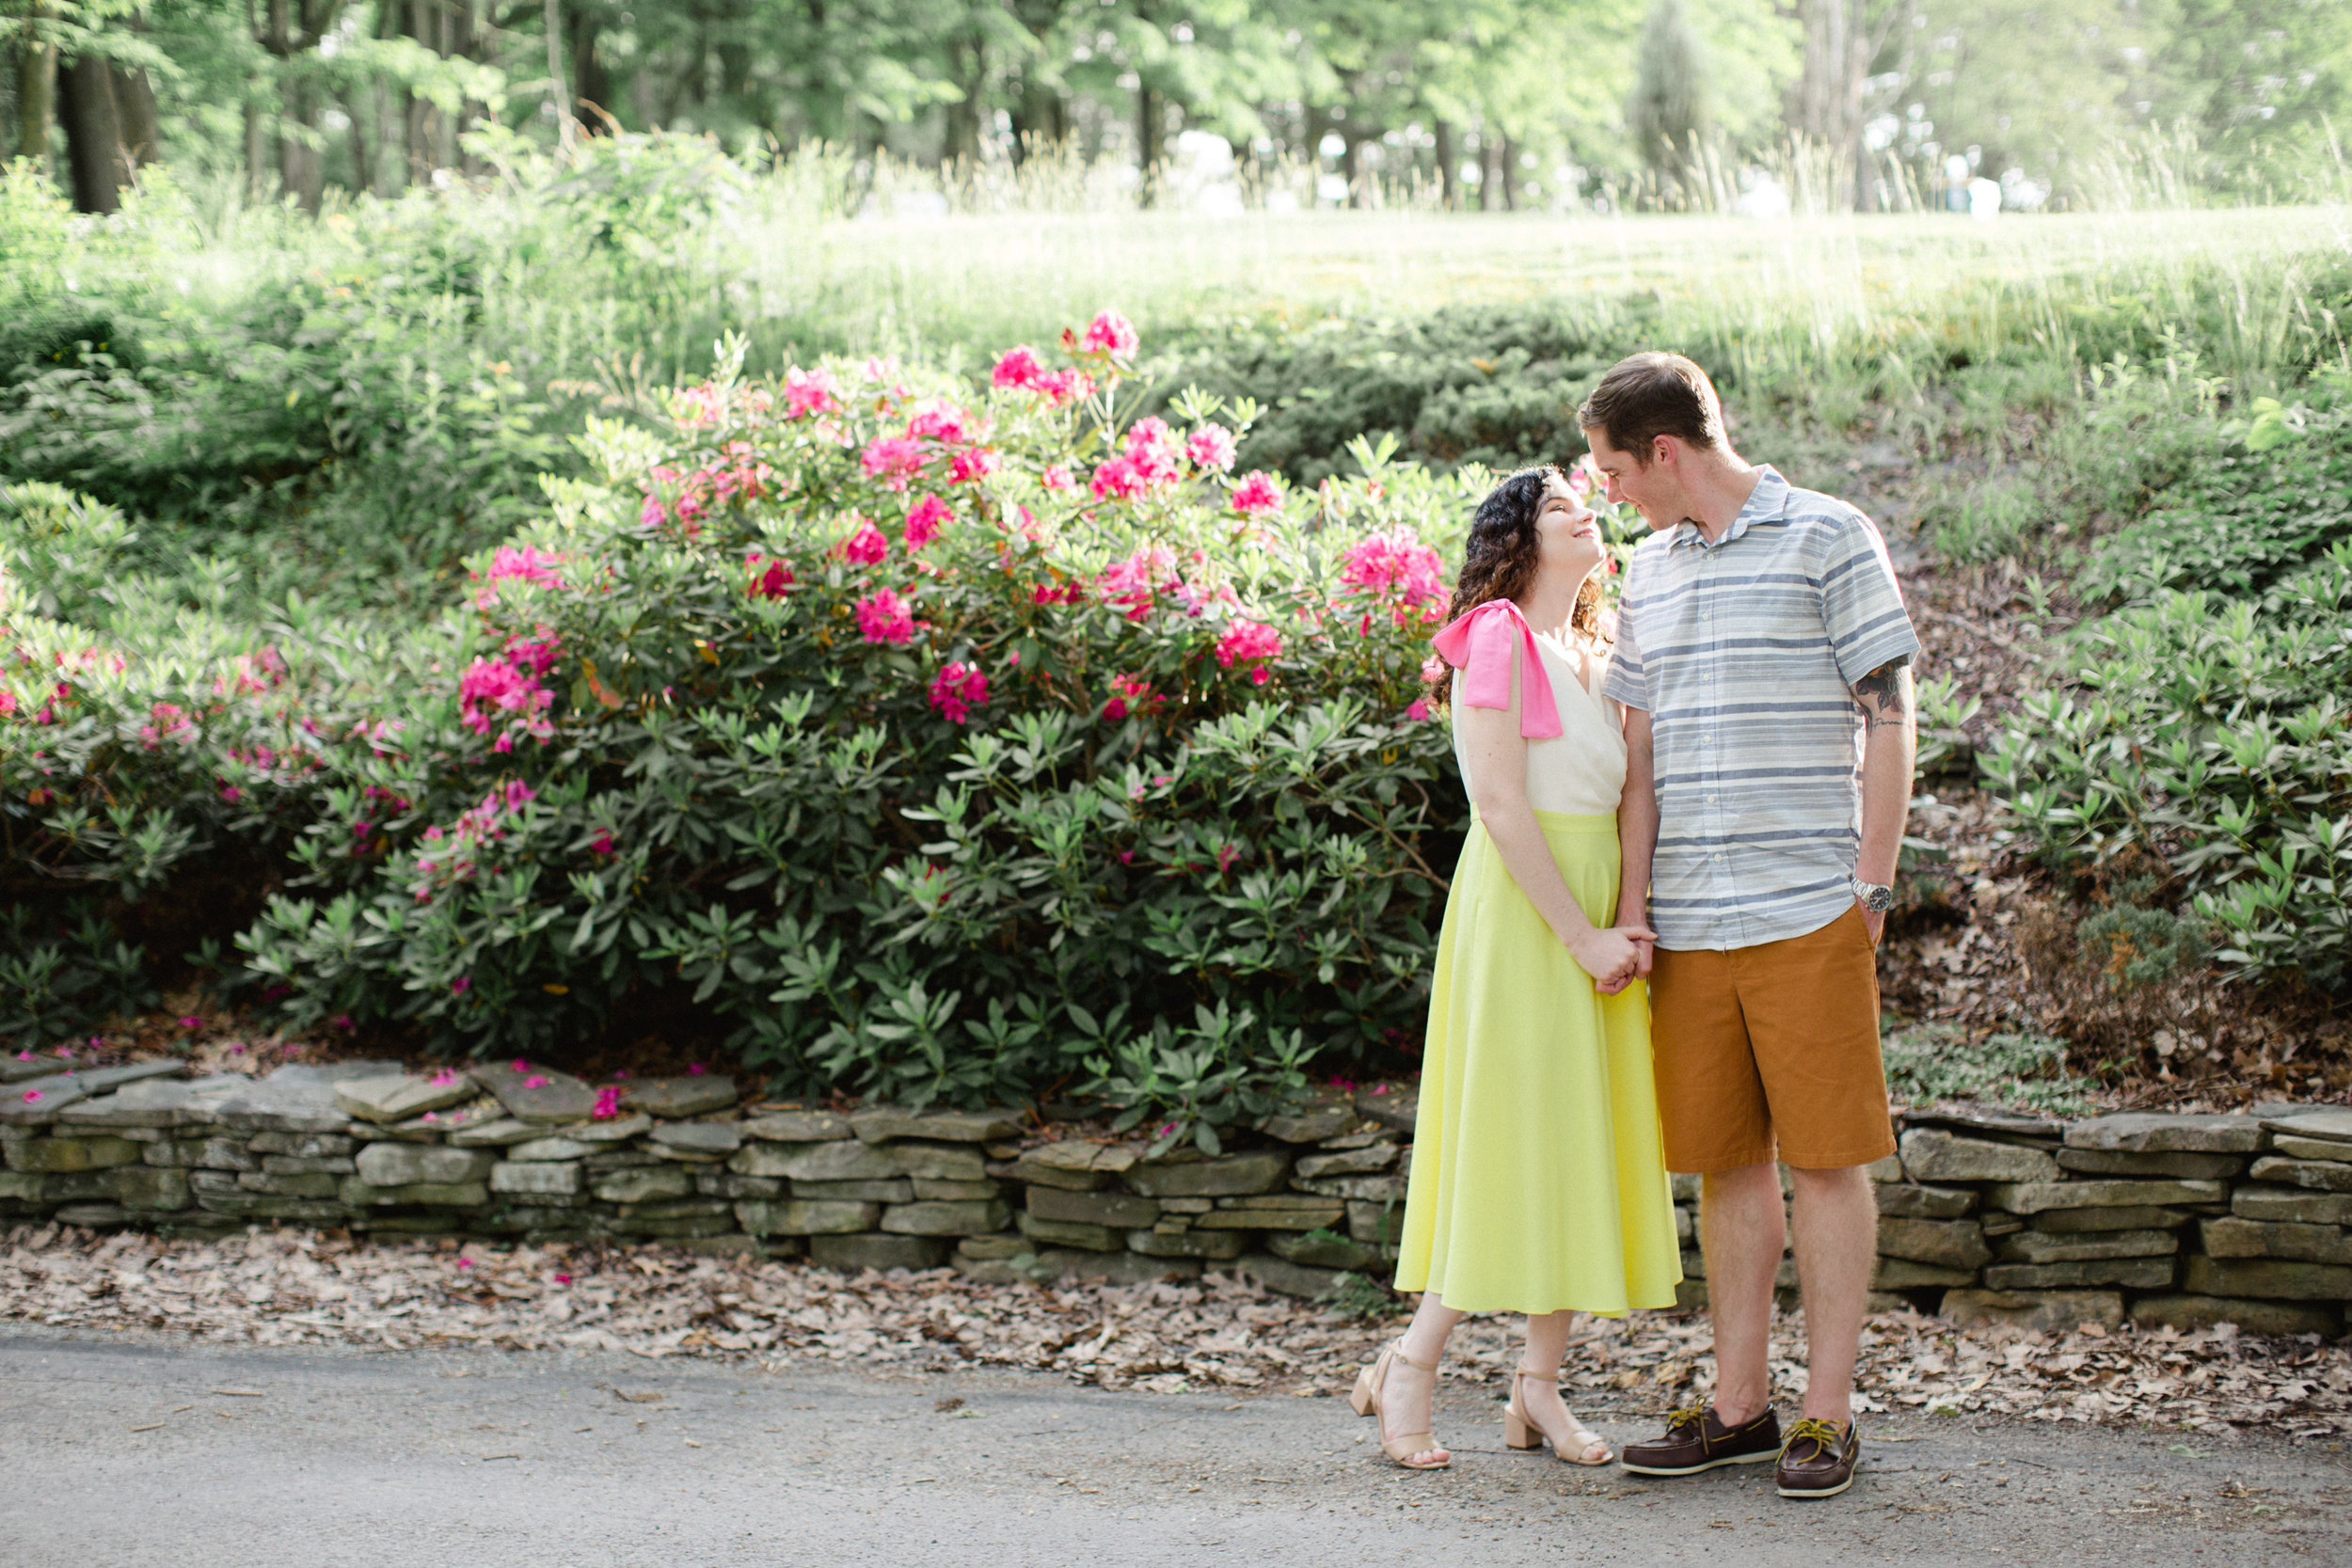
{"x": 1581, "y": 769}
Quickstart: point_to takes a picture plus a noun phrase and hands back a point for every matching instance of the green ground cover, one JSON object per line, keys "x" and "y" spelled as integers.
{"x": 235, "y": 436}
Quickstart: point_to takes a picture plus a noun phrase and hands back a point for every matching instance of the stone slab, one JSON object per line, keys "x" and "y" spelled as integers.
{"x": 94, "y": 1216}
{"x": 851, "y": 1252}
{"x": 2266, "y": 1279}
{"x": 1070, "y": 1233}
{"x": 674, "y": 1099}
{"x": 643, "y": 1184}
{"x": 1376, "y": 1223}
{"x": 97, "y": 1152}
{"x": 1321, "y": 1217}
{"x": 614, "y": 1129}
{"x": 894, "y": 1189}
{"x": 2040, "y": 1246}
{"x": 2152, "y": 1132}
{"x": 2309, "y": 1243}
{"x": 291, "y": 1183}
{"x": 882, "y": 1123}
{"x": 2069, "y": 1222}
{"x": 1946, "y": 1243}
{"x": 554, "y": 1149}
{"x": 1117, "y": 1210}
{"x": 805, "y": 1217}
{"x": 2283, "y": 1144}
{"x": 2189, "y": 1312}
{"x": 536, "y": 1093}
{"x": 261, "y": 1207}
{"x": 2333, "y": 1122}
{"x": 946, "y": 1218}
{"x": 1284, "y": 1277}
{"x": 360, "y": 1193}
{"x": 400, "y": 1096}
{"x": 149, "y": 1103}
{"x": 297, "y": 1097}
{"x": 726, "y": 1184}
{"x": 1889, "y": 1273}
{"x": 499, "y": 1130}
{"x": 2036, "y": 1312}
{"x": 151, "y": 1187}
{"x": 66, "y": 1186}
{"x": 1351, "y": 1161}
{"x": 540, "y": 1176}
{"x": 2319, "y": 1176}
{"x": 1311, "y": 1123}
{"x": 1003, "y": 1244}
{"x": 2105, "y": 1161}
{"x": 931, "y": 1189}
{"x": 1219, "y": 1245}
{"x": 1389, "y": 1104}
{"x": 1912, "y": 1201}
{"x": 1325, "y": 1252}
{"x": 1938, "y": 1154}
{"x": 796, "y": 1127}
{"x": 407, "y": 1164}
{"x": 1388, "y": 1187}
{"x": 2135, "y": 1273}
{"x": 2032, "y": 1198}
{"x": 2292, "y": 1205}
{"x": 698, "y": 1137}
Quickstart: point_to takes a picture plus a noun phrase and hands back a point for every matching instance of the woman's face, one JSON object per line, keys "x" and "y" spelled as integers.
{"x": 1567, "y": 535}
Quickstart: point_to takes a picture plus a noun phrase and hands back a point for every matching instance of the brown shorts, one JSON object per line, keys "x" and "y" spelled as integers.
{"x": 1777, "y": 1040}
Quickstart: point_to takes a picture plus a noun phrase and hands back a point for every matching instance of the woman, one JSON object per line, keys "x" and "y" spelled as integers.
{"x": 1538, "y": 1182}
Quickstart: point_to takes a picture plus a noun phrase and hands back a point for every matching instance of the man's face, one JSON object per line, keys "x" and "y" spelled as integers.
{"x": 1656, "y": 491}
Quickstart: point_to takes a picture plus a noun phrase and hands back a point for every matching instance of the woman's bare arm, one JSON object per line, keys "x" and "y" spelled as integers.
{"x": 1496, "y": 754}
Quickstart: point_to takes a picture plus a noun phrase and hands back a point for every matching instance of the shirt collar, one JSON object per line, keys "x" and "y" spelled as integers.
{"x": 1768, "y": 499}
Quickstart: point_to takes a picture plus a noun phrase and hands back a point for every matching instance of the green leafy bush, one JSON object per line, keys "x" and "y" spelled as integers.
{"x": 2205, "y": 718}
{"x": 930, "y": 749}
{"x": 1928, "y": 1063}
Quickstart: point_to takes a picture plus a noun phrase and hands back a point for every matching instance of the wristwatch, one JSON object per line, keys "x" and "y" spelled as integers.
{"x": 1871, "y": 895}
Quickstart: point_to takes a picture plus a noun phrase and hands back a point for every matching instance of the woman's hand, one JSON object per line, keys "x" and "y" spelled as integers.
{"x": 1610, "y": 957}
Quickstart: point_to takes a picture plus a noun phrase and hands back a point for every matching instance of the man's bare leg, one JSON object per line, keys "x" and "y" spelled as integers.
{"x": 1743, "y": 1233}
{"x": 1838, "y": 1225}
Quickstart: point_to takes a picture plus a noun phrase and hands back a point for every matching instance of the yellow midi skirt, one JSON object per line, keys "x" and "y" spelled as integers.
{"x": 1539, "y": 1178}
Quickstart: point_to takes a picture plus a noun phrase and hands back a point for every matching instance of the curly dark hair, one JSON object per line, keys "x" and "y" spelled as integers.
{"x": 1499, "y": 557}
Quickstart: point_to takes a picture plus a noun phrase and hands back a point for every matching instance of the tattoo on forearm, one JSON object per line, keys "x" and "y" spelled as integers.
{"x": 1884, "y": 694}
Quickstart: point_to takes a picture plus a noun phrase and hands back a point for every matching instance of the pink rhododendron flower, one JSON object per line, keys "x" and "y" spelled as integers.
{"x": 444, "y": 1078}
{"x": 892, "y": 459}
{"x": 522, "y": 565}
{"x": 1055, "y": 477}
{"x": 974, "y": 463}
{"x": 1433, "y": 669}
{"x": 884, "y": 617}
{"x": 165, "y": 721}
{"x": 508, "y": 686}
{"x": 191, "y": 1021}
{"x": 867, "y": 546}
{"x": 1226, "y": 856}
{"x": 1397, "y": 563}
{"x": 602, "y": 844}
{"x": 563, "y": 1279}
{"x": 957, "y": 689}
{"x": 1257, "y": 492}
{"x": 32, "y": 1097}
{"x": 538, "y": 1080}
{"x": 695, "y": 1070}
{"x": 460, "y": 985}
{"x": 1131, "y": 583}
{"x": 1211, "y": 447}
{"x": 1244, "y": 641}
{"x": 807, "y": 392}
{"x": 518, "y": 1065}
{"x": 1018, "y": 370}
{"x": 772, "y": 582}
{"x": 608, "y": 1107}
{"x": 1417, "y": 708}
{"x": 937, "y": 419}
{"x": 1111, "y": 333}
{"x": 924, "y": 520}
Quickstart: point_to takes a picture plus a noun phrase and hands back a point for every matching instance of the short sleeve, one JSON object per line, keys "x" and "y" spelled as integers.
{"x": 1624, "y": 682}
{"x": 1862, "y": 604}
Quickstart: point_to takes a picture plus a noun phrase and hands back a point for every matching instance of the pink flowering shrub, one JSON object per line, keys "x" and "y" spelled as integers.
{"x": 922, "y": 737}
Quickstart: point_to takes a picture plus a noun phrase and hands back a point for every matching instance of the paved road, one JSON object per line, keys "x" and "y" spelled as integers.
{"x": 136, "y": 1450}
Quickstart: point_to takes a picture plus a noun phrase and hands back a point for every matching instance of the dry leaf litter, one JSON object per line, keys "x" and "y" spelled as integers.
{"x": 292, "y": 1289}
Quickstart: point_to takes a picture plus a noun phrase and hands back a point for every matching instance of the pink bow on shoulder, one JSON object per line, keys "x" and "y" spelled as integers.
{"x": 1480, "y": 644}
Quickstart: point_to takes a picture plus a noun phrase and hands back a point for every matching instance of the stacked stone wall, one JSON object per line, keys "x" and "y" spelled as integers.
{"x": 2165, "y": 1219}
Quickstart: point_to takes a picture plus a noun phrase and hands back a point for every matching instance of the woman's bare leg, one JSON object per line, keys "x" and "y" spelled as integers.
{"x": 1410, "y": 1394}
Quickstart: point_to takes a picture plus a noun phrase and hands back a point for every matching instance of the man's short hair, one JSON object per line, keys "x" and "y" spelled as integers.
{"x": 1648, "y": 395}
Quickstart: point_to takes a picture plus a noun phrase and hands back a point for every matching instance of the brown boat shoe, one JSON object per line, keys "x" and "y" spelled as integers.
{"x": 1818, "y": 1459}
{"x": 1696, "y": 1439}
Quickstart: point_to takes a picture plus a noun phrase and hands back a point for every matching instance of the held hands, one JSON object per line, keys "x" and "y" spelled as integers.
{"x": 1614, "y": 957}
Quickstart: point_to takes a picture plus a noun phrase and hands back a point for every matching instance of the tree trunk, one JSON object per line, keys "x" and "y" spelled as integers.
{"x": 134, "y": 104}
{"x": 1510, "y": 175}
{"x": 1359, "y": 191}
{"x": 969, "y": 63}
{"x": 1449, "y": 171}
{"x": 557, "y": 93}
{"x": 93, "y": 128}
{"x": 590, "y": 84}
{"x": 1828, "y": 107}
{"x": 35, "y": 92}
{"x": 1150, "y": 128}
{"x": 1490, "y": 178}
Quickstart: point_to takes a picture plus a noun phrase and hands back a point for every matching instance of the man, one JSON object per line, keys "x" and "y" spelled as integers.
{"x": 1763, "y": 658}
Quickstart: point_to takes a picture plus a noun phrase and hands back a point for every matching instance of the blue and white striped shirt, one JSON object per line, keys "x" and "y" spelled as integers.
{"x": 1744, "y": 652}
